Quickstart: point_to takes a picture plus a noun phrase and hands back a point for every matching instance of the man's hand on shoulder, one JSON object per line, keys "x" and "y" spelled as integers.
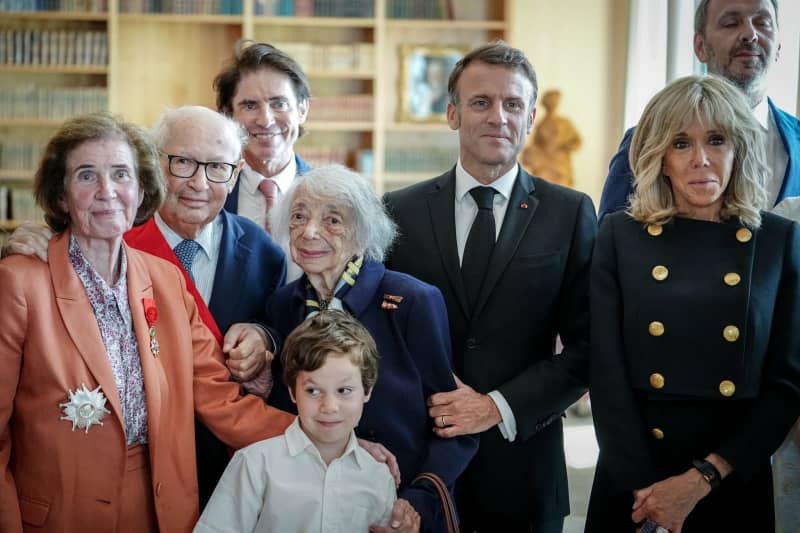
{"x": 28, "y": 239}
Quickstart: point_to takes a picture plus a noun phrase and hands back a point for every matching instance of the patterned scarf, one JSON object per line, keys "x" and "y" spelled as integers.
{"x": 314, "y": 304}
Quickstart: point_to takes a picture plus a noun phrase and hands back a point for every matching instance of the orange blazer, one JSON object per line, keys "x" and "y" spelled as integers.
{"x": 57, "y": 479}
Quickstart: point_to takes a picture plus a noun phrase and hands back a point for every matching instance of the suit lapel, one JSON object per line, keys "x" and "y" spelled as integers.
{"x": 227, "y": 286}
{"x": 441, "y": 205}
{"x": 140, "y": 286}
{"x": 521, "y": 206}
{"x": 790, "y": 136}
{"x": 78, "y": 317}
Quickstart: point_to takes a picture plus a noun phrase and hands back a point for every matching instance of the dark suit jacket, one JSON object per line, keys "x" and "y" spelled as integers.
{"x": 232, "y": 202}
{"x": 688, "y": 408}
{"x": 415, "y": 362}
{"x": 536, "y": 287}
{"x": 619, "y": 182}
{"x": 251, "y": 266}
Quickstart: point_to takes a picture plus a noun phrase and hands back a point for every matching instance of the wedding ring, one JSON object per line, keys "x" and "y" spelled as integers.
{"x": 443, "y": 424}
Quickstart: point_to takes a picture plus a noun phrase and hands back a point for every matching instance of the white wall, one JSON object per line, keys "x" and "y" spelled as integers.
{"x": 578, "y": 47}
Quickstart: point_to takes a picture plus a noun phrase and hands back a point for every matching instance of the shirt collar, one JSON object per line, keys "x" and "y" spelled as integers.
{"x": 298, "y": 442}
{"x": 283, "y": 179}
{"x": 503, "y": 184}
{"x": 761, "y": 113}
{"x": 205, "y": 238}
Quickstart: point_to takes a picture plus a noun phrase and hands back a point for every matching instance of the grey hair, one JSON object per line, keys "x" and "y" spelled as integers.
{"x": 162, "y": 129}
{"x": 374, "y": 230}
{"x": 701, "y": 16}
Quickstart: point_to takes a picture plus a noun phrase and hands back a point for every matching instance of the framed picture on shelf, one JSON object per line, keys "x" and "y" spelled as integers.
{"x": 424, "y": 70}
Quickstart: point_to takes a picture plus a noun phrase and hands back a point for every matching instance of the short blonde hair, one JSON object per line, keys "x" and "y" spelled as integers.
{"x": 712, "y": 100}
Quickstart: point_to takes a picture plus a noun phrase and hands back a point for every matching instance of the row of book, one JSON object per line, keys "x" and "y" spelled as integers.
{"x": 54, "y": 5}
{"x": 34, "y": 103}
{"x": 18, "y": 204}
{"x": 315, "y": 8}
{"x": 355, "y": 56}
{"x": 53, "y": 47}
{"x": 420, "y": 159}
{"x": 346, "y": 108}
{"x": 184, "y": 7}
{"x": 20, "y": 155}
{"x": 438, "y": 9}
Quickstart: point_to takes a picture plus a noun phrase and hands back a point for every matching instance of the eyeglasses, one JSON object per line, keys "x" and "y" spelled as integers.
{"x": 184, "y": 167}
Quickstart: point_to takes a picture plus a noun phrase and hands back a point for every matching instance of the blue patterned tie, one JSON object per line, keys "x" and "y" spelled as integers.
{"x": 186, "y": 250}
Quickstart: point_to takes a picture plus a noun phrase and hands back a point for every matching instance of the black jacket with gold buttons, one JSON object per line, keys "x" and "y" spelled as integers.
{"x": 700, "y": 311}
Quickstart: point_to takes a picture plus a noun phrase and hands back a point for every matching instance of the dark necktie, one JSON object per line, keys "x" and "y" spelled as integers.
{"x": 480, "y": 243}
{"x": 186, "y": 250}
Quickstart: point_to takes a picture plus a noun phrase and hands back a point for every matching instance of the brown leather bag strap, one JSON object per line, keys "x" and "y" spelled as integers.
{"x": 444, "y": 495}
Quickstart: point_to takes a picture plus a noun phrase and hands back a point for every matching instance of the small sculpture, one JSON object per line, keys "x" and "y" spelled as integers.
{"x": 549, "y": 150}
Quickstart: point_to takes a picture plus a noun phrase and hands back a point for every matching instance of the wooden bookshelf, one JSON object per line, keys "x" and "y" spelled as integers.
{"x": 157, "y": 60}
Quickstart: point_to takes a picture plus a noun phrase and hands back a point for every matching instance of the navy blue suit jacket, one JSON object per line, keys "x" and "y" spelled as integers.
{"x": 232, "y": 202}
{"x": 250, "y": 268}
{"x": 415, "y": 361}
{"x": 619, "y": 182}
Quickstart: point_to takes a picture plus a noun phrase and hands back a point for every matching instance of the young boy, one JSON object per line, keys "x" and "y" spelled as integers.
{"x": 315, "y": 477}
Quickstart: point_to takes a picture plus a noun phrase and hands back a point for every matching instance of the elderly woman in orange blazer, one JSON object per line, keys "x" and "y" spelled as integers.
{"x": 104, "y": 358}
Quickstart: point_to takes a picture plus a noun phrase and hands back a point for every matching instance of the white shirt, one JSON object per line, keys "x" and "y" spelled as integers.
{"x": 253, "y": 205}
{"x": 204, "y": 266}
{"x": 465, "y": 212}
{"x": 282, "y": 485}
{"x": 775, "y": 152}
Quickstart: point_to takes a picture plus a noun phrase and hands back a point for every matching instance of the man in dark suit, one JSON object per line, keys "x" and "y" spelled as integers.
{"x": 508, "y": 295}
{"x": 739, "y": 41}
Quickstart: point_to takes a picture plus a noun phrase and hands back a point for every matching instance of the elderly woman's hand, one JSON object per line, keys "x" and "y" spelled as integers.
{"x": 248, "y": 350}
{"x": 28, "y": 239}
{"x": 404, "y": 519}
{"x": 379, "y": 452}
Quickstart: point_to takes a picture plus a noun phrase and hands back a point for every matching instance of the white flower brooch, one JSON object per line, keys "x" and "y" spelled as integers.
{"x": 85, "y": 408}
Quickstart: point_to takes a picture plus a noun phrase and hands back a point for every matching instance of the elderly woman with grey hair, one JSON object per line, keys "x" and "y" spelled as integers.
{"x": 338, "y": 232}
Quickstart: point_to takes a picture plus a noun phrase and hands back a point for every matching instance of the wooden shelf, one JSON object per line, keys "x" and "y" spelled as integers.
{"x": 25, "y": 174}
{"x": 329, "y": 22}
{"x": 55, "y": 69}
{"x": 446, "y": 24}
{"x": 339, "y": 125}
{"x": 418, "y": 126}
{"x": 56, "y": 15}
{"x": 182, "y": 18}
{"x": 340, "y": 74}
{"x": 33, "y": 122}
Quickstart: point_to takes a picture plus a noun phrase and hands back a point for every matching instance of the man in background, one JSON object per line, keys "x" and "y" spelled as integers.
{"x": 739, "y": 41}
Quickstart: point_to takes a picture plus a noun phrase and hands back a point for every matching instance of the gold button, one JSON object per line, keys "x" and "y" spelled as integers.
{"x": 660, "y": 272}
{"x": 743, "y": 235}
{"x": 732, "y": 279}
{"x": 727, "y": 388}
{"x": 655, "y": 328}
{"x": 656, "y": 380}
{"x": 657, "y": 433}
{"x": 654, "y": 229}
{"x": 731, "y": 333}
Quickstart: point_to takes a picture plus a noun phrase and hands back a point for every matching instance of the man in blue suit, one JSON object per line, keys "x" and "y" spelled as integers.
{"x": 235, "y": 265}
{"x": 738, "y": 40}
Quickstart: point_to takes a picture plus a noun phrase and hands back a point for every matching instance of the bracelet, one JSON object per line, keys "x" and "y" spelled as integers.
{"x": 709, "y": 472}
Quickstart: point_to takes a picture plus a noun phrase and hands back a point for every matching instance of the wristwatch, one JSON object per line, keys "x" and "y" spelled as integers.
{"x": 709, "y": 472}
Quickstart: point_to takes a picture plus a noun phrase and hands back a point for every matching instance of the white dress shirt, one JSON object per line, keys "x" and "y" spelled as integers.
{"x": 204, "y": 266}
{"x": 253, "y": 205}
{"x": 775, "y": 152}
{"x": 282, "y": 485}
{"x": 465, "y": 212}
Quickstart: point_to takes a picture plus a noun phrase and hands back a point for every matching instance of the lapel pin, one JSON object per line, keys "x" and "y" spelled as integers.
{"x": 523, "y": 205}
